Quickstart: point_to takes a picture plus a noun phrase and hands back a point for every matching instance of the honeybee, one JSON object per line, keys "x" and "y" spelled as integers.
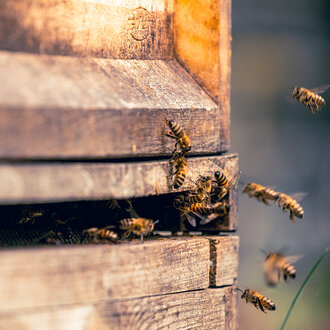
{"x": 137, "y": 227}
{"x": 113, "y": 204}
{"x": 276, "y": 264}
{"x": 287, "y": 202}
{"x": 182, "y": 140}
{"x": 260, "y": 192}
{"x": 180, "y": 165}
{"x": 31, "y": 216}
{"x": 222, "y": 185}
{"x": 310, "y": 98}
{"x": 206, "y": 213}
{"x": 258, "y": 300}
{"x": 105, "y": 234}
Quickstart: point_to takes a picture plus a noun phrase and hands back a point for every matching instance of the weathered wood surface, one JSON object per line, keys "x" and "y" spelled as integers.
{"x": 84, "y": 274}
{"x": 205, "y": 309}
{"x": 231, "y": 308}
{"x": 64, "y": 107}
{"x": 51, "y": 182}
{"x": 224, "y": 257}
{"x": 98, "y": 28}
{"x": 202, "y": 38}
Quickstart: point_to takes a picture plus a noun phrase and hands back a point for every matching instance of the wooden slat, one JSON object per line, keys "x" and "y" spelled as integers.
{"x": 224, "y": 257}
{"x": 99, "y": 28}
{"x": 64, "y": 107}
{"x": 81, "y": 274}
{"x": 206, "y": 309}
{"x": 202, "y": 34}
{"x": 231, "y": 308}
{"x": 53, "y": 182}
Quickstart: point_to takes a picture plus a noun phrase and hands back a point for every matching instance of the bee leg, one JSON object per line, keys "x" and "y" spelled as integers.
{"x": 170, "y": 134}
{"x": 291, "y": 216}
{"x": 310, "y": 108}
{"x": 260, "y": 305}
{"x": 265, "y": 201}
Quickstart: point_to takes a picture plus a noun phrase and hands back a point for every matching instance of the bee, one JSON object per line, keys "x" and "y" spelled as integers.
{"x": 182, "y": 140}
{"x": 310, "y": 98}
{"x": 180, "y": 173}
{"x": 206, "y": 213}
{"x": 103, "y": 234}
{"x": 137, "y": 227}
{"x": 258, "y": 300}
{"x": 113, "y": 204}
{"x": 31, "y": 216}
{"x": 275, "y": 265}
{"x": 260, "y": 192}
{"x": 287, "y": 202}
{"x": 222, "y": 185}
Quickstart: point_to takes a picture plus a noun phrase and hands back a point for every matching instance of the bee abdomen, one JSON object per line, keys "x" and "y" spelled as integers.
{"x": 126, "y": 223}
{"x": 221, "y": 179}
{"x": 289, "y": 270}
{"x": 269, "y": 304}
{"x": 175, "y": 128}
{"x": 179, "y": 179}
{"x": 108, "y": 234}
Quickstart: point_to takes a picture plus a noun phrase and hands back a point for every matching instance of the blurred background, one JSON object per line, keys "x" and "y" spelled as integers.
{"x": 278, "y": 45}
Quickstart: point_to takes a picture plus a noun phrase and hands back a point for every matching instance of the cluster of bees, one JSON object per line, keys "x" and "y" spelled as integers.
{"x": 277, "y": 264}
{"x": 205, "y": 201}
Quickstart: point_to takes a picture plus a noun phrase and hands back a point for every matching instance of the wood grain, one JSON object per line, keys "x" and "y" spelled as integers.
{"x": 205, "y": 309}
{"x": 64, "y": 107}
{"x": 202, "y": 44}
{"x": 99, "y": 28}
{"x": 224, "y": 256}
{"x": 81, "y": 274}
{"x": 231, "y": 308}
{"x": 53, "y": 182}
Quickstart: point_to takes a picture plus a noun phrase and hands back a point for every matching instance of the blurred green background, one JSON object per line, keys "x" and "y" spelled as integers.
{"x": 278, "y": 45}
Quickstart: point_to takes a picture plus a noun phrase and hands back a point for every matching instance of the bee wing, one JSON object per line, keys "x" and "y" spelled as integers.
{"x": 208, "y": 219}
{"x": 233, "y": 183}
{"x": 294, "y": 258}
{"x": 299, "y": 196}
{"x": 319, "y": 90}
{"x": 191, "y": 219}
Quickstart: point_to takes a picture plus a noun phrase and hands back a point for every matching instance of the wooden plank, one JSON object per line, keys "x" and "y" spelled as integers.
{"x": 63, "y": 107}
{"x": 231, "y": 308}
{"x": 90, "y": 273}
{"x": 99, "y": 28}
{"x": 224, "y": 257}
{"x": 42, "y": 182}
{"x": 205, "y": 309}
{"x": 202, "y": 38}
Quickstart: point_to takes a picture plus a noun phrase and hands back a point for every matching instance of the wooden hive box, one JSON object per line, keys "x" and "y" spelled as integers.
{"x": 85, "y": 89}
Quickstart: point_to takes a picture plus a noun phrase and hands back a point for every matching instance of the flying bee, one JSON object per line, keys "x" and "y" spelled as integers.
{"x": 276, "y": 264}
{"x": 103, "y": 234}
{"x": 310, "y": 98}
{"x": 260, "y": 192}
{"x": 137, "y": 227}
{"x": 288, "y": 203}
{"x": 222, "y": 186}
{"x": 206, "y": 213}
{"x": 177, "y": 133}
{"x": 180, "y": 165}
{"x": 258, "y": 300}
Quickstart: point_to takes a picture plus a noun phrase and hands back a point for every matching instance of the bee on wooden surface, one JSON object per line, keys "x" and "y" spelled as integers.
{"x": 310, "y": 98}
{"x": 102, "y": 234}
{"x": 222, "y": 185}
{"x": 180, "y": 165}
{"x": 31, "y": 216}
{"x": 260, "y": 192}
{"x": 137, "y": 227}
{"x": 288, "y": 203}
{"x": 258, "y": 300}
{"x": 182, "y": 140}
{"x": 277, "y": 264}
{"x": 206, "y": 213}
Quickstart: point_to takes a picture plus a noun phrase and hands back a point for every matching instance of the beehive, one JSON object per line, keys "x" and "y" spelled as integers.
{"x": 85, "y": 89}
